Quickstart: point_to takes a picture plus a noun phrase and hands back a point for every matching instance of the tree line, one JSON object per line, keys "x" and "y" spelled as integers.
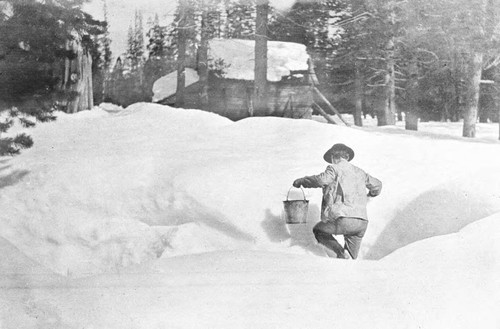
{"x": 419, "y": 60}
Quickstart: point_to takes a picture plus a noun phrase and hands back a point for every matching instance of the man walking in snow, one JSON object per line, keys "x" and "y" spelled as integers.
{"x": 343, "y": 209}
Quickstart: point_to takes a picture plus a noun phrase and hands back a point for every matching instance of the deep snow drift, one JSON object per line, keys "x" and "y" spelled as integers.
{"x": 111, "y": 190}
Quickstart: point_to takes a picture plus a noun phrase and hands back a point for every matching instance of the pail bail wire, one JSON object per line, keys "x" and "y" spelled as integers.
{"x": 296, "y": 210}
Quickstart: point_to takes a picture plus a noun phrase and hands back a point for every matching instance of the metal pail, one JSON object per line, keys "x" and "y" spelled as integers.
{"x": 296, "y": 210}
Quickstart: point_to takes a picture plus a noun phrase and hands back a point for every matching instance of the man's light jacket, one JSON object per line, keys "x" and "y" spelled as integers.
{"x": 344, "y": 190}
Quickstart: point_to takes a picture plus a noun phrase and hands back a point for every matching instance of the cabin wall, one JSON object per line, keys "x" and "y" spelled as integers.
{"x": 232, "y": 98}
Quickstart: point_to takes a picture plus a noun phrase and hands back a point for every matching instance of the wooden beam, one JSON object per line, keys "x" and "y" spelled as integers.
{"x": 330, "y": 106}
{"x": 324, "y": 114}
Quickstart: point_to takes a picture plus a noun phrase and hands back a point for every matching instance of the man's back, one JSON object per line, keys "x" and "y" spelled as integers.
{"x": 351, "y": 188}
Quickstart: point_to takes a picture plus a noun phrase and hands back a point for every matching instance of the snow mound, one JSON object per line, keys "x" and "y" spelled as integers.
{"x": 475, "y": 247}
{"x": 86, "y": 214}
{"x": 109, "y": 107}
{"x": 102, "y": 190}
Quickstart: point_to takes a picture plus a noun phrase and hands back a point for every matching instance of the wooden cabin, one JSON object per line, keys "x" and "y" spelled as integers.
{"x": 290, "y": 84}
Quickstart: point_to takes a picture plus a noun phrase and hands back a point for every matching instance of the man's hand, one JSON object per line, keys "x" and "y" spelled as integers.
{"x": 297, "y": 183}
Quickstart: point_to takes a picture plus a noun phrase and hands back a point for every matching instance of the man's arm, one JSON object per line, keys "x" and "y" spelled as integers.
{"x": 373, "y": 185}
{"x": 325, "y": 178}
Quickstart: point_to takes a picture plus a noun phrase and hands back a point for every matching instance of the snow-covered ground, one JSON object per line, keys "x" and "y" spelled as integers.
{"x": 155, "y": 217}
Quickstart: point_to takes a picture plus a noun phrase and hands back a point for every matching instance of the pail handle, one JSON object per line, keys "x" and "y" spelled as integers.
{"x": 296, "y": 187}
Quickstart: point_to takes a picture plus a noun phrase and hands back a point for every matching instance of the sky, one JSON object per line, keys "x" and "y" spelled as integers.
{"x": 121, "y": 15}
{"x": 157, "y": 217}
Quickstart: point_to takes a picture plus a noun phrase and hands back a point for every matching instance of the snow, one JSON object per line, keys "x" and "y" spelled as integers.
{"x": 238, "y": 60}
{"x": 166, "y": 86}
{"x": 156, "y": 217}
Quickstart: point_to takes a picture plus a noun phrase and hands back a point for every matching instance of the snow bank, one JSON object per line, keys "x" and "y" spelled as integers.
{"x": 438, "y": 283}
{"x": 185, "y": 208}
{"x": 79, "y": 200}
{"x": 108, "y": 107}
{"x": 100, "y": 191}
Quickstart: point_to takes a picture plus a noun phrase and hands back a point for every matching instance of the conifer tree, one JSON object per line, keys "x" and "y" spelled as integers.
{"x": 160, "y": 56}
{"x": 33, "y": 36}
{"x": 105, "y": 41}
{"x": 240, "y": 22}
{"x": 107, "y": 55}
{"x": 156, "y": 36}
{"x": 135, "y": 42}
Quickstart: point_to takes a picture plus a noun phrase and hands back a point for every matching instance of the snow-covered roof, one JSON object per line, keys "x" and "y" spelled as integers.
{"x": 166, "y": 86}
{"x": 239, "y": 59}
{"x": 238, "y": 63}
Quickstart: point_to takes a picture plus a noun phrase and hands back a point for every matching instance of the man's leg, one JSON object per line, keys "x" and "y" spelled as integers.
{"x": 323, "y": 231}
{"x": 355, "y": 229}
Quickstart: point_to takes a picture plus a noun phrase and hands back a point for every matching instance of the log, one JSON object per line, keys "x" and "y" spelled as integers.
{"x": 330, "y": 106}
{"x": 324, "y": 114}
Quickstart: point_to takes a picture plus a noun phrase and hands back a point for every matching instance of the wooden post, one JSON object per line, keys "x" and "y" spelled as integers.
{"x": 224, "y": 96}
{"x": 290, "y": 98}
{"x": 250, "y": 107}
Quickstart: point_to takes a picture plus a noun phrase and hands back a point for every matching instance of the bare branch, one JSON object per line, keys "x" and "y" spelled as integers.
{"x": 377, "y": 85}
{"x": 494, "y": 62}
{"x": 436, "y": 57}
{"x": 343, "y": 83}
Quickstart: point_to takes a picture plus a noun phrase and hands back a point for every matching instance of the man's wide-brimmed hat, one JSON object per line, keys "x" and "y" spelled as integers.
{"x": 338, "y": 147}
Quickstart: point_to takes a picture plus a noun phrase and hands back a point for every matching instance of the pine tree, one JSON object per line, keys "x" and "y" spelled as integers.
{"x": 160, "y": 56}
{"x": 156, "y": 39}
{"x": 33, "y": 36}
{"x": 105, "y": 41}
{"x": 107, "y": 56}
{"x": 135, "y": 42}
{"x": 240, "y": 22}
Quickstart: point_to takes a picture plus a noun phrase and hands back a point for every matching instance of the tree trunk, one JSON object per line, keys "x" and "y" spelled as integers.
{"x": 388, "y": 116}
{"x": 486, "y": 103}
{"x": 78, "y": 78}
{"x": 411, "y": 118}
{"x": 260, "y": 82}
{"x": 181, "y": 55}
{"x": 358, "y": 94}
{"x": 203, "y": 60}
{"x": 472, "y": 95}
